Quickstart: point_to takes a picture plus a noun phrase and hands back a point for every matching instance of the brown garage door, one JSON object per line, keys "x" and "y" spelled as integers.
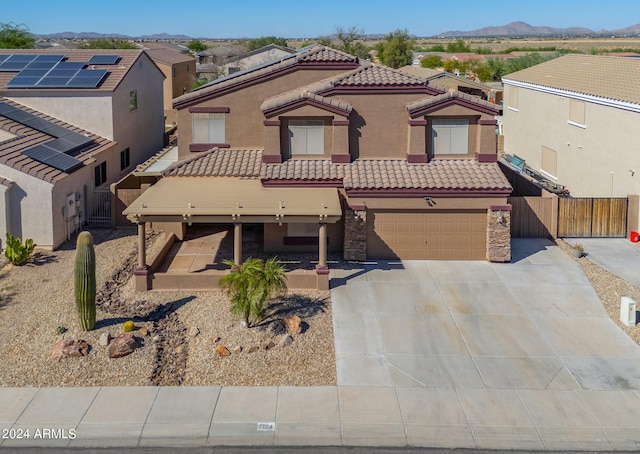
{"x": 431, "y": 235}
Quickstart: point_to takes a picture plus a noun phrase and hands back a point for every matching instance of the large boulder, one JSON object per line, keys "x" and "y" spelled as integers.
{"x": 122, "y": 345}
{"x": 67, "y": 348}
{"x": 294, "y": 324}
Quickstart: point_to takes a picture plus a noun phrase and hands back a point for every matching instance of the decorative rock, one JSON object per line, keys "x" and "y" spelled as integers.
{"x": 253, "y": 349}
{"x": 193, "y": 331}
{"x": 268, "y": 345}
{"x": 123, "y": 345}
{"x": 156, "y": 338}
{"x": 70, "y": 349}
{"x": 221, "y": 350}
{"x": 179, "y": 349}
{"x": 214, "y": 339}
{"x": 294, "y": 324}
{"x": 285, "y": 340}
{"x": 237, "y": 350}
{"x": 105, "y": 338}
{"x": 143, "y": 332}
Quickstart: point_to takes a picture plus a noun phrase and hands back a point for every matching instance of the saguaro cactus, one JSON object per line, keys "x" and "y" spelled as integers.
{"x": 85, "y": 281}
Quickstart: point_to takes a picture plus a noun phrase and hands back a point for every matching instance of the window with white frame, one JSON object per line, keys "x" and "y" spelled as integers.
{"x": 450, "y": 137}
{"x": 208, "y": 128}
{"x": 306, "y": 137}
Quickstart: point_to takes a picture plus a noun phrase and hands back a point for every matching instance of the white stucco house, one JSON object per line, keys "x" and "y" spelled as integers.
{"x": 575, "y": 119}
{"x": 71, "y": 121}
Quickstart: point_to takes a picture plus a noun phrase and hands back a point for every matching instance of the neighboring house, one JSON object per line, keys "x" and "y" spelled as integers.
{"x": 575, "y": 119}
{"x": 447, "y": 80}
{"x": 72, "y": 121}
{"x": 326, "y": 152}
{"x": 180, "y": 73}
{"x": 256, "y": 57}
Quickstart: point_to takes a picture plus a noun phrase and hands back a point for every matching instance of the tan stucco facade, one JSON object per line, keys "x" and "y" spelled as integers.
{"x": 178, "y": 79}
{"x": 596, "y": 159}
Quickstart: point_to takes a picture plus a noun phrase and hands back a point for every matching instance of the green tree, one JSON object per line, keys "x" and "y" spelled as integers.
{"x": 15, "y": 36}
{"x": 257, "y": 43}
{"x": 497, "y": 68}
{"x": 107, "y": 43}
{"x": 458, "y": 46}
{"x": 431, "y": 61}
{"x": 351, "y": 41}
{"x": 483, "y": 50}
{"x": 251, "y": 284}
{"x": 396, "y": 50}
{"x": 452, "y": 65}
{"x": 196, "y": 45}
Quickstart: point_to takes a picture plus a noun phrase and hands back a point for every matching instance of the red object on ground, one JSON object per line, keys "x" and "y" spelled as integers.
{"x": 634, "y": 237}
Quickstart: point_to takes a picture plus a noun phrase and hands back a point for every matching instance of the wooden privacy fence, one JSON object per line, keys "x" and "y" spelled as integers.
{"x": 551, "y": 217}
{"x": 592, "y": 217}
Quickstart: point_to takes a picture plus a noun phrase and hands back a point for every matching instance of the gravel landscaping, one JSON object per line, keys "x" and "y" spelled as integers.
{"x": 177, "y": 331}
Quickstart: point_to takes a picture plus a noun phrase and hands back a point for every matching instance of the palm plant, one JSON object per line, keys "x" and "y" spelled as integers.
{"x": 251, "y": 284}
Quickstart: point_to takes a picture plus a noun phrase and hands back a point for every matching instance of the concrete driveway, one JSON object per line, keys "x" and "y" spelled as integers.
{"x": 532, "y": 324}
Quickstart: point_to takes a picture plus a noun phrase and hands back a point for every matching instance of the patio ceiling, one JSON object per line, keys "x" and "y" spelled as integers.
{"x": 227, "y": 200}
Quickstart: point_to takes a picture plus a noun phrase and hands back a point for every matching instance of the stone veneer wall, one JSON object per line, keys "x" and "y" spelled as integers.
{"x": 355, "y": 234}
{"x": 499, "y": 236}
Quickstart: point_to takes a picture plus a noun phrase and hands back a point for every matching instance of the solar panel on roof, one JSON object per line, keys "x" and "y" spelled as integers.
{"x": 55, "y": 130}
{"x": 54, "y": 82}
{"x": 53, "y": 158}
{"x": 70, "y": 65}
{"x": 55, "y": 72}
{"x": 53, "y": 58}
{"x": 40, "y": 65}
{"x": 76, "y": 140}
{"x": 37, "y": 123}
{"x": 87, "y": 78}
{"x": 58, "y": 145}
{"x": 12, "y": 66}
{"x": 104, "y": 59}
{"x": 23, "y": 82}
{"x": 33, "y": 72}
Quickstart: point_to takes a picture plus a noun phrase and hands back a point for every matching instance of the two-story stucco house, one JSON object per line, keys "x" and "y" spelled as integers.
{"x": 108, "y": 101}
{"x": 574, "y": 119}
{"x": 327, "y": 152}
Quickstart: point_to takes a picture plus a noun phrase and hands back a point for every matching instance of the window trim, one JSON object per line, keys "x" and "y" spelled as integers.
{"x": 443, "y": 122}
{"x": 220, "y": 117}
{"x": 100, "y": 173}
{"x": 306, "y": 125}
{"x": 125, "y": 159}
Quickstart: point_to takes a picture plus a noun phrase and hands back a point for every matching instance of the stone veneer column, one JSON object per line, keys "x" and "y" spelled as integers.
{"x": 499, "y": 233}
{"x": 355, "y": 233}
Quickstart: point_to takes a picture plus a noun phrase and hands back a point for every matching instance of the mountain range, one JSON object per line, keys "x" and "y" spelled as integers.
{"x": 513, "y": 29}
{"x": 524, "y": 29}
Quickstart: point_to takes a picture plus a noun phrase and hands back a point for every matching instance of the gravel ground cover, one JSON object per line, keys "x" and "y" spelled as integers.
{"x": 37, "y": 298}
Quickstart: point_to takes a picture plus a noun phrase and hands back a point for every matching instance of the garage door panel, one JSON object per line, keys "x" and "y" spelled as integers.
{"x": 426, "y": 235}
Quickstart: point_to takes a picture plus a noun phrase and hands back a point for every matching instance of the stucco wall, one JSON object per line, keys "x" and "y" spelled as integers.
{"x": 256, "y": 59}
{"x": 274, "y": 234}
{"x": 172, "y": 87}
{"x": 90, "y": 111}
{"x": 244, "y": 124}
{"x": 593, "y": 161}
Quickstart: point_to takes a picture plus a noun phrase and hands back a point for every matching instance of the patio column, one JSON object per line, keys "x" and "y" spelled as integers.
{"x": 141, "y": 273}
{"x": 322, "y": 270}
{"x": 237, "y": 243}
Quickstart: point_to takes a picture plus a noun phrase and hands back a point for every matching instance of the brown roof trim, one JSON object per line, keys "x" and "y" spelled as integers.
{"x": 207, "y": 146}
{"x": 417, "y": 158}
{"x": 400, "y": 192}
{"x": 417, "y": 122}
{"x": 306, "y": 101}
{"x": 492, "y": 122}
{"x": 271, "y": 158}
{"x": 487, "y": 157}
{"x": 332, "y": 183}
{"x": 260, "y": 79}
{"x": 198, "y": 109}
{"x": 375, "y": 90}
{"x": 271, "y": 122}
{"x": 340, "y": 122}
{"x": 506, "y": 207}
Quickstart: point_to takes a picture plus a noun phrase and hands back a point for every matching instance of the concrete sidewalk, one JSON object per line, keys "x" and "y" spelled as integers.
{"x": 616, "y": 255}
{"x": 321, "y": 416}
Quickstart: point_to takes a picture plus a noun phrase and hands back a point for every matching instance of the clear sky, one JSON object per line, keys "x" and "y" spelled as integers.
{"x": 304, "y": 18}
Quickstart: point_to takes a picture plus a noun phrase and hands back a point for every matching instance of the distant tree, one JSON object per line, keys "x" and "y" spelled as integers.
{"x": 452, "y": 65}
{"x": 458, "y": 46}
{"x": 351, "y": 41}
{"x": 396, "y": 50}
{"x": 107, "y": 43}
{"x": 196, "y": 45}
{"x": 497, "y": 68}
{"x": 527, "y": 60}
{"x": 257, "y": 43}
{"x": 15, "y": 36}
{"x": 437, "y": 48}
{"x": 431, "y": 61}
{"x": 483, "y": 50}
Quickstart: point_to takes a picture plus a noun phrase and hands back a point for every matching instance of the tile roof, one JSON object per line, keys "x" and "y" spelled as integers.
{"x": 115, "y": 72}
{"x": 305, "y": 169}
{"x": 451, "y": 174}
{"x": 219, "y": 162}
{"x": 304, "y": 94}
{"x": 26, "y": 137}
{"x": 451, "y": 94}
{"x": 607, "y": 77}
{"x": 460, "y": 174}
{"x": 308, "y": 54}
{"x": 379, "y": 75}
{"x": 169, "y": 56}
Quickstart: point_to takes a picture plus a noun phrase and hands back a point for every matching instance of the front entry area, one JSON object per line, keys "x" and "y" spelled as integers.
{"x": 427, "y": 235}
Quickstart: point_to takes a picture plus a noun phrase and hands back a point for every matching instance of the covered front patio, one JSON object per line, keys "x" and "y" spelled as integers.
{"x": 216, "y": 202}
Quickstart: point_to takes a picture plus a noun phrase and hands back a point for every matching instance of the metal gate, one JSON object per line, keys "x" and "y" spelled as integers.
{"x": 592, "y": 217}
{"x": 99, "y": 207}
